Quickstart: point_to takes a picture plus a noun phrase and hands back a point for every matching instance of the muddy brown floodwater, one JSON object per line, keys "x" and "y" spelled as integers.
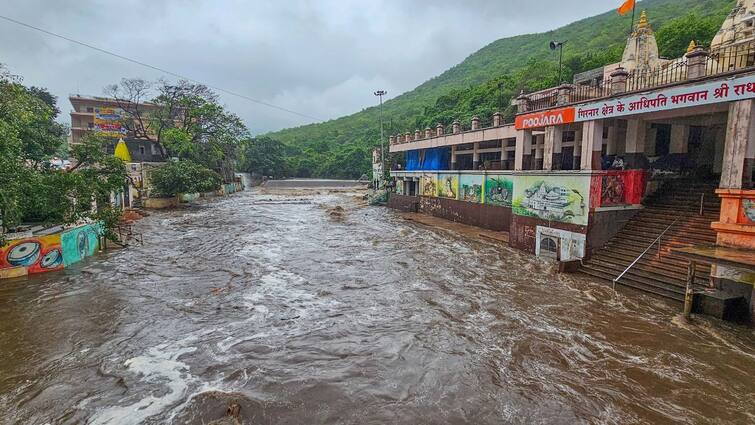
{"x": 306, "y": 314}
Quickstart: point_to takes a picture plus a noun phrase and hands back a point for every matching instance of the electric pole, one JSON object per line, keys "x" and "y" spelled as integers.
{"x": 380, "y": 94}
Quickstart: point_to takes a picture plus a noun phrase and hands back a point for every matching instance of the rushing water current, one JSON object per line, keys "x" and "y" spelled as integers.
{"x": 306, "y": 315}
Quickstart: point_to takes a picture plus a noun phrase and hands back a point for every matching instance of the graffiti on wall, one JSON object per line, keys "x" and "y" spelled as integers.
{"x": 499, "y": 190}
{"x": 471, "y": 188}
{"x": 448, "y": 186}
{"x": 612, "y": 188}
{"x": 37, "y": 255}
{"x": 428, "y": 184}
{"x": 557, "y": 198}
{"x": 748, "y": 211}
{"x": 79, "y": 243}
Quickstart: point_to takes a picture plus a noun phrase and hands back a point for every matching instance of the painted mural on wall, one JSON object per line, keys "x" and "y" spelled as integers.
{"x": 428, "y": 184}
{"x": 470, "y": 187}
{"x": 448, "y": 186}
{"x": 557, "y": 198}
{"x": 37, "y": 254}
{"x": 748, "y": 211}
{"x": 499, "y": 190}
{"x": 79, "y": 243}
{"x": 613, "y": 188}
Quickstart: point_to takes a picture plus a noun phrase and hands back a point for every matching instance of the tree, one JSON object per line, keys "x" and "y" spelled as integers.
{"x": 674, "y": 37}
{"x": 185, "y": 118}
{"x": 186, "y": 176}
{"x": 263, "y": 156}
{"x": 31, "y": 190}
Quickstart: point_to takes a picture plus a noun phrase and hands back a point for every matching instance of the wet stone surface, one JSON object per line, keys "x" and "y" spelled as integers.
{"x": 294, "y": 314}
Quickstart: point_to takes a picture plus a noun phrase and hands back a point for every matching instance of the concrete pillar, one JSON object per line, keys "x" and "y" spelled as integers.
{"x": 522, "y": 103}
{"x": 456, "y": 126}
{"x": 539, "y": 142}
{"x": 417, "y": 134}
{"x": 392, "y": 140}
{"x": 619, "y": 81}
{"x": 651, "y": 135}
{"x": 564, "y": 94}
{"x": 719, "y": 140}
{"x": 552, "y": 147}
{"x": 475, "y": 123}
{"x": 497, "y": 119}
{"x": 739, "y": 150}
{"x": 522, "y": 150}
{"x": 439, "y": 129}
{"x": 428, "y": 133}
{"x": 476, "y": 156}
{"x": 592, "y": 145}
{"x": 696, "y": 61}
{"x": 577, "y": 158}
{"x": 408, "y": 137}
{"x": 611, "y": 141}
{"x": 679, "y": 138}
{"x": 453, "y": 157}
{"x": 635, "y": 144}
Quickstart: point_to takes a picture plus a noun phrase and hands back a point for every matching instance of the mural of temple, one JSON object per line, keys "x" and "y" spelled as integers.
{"x": 637, "y": 149}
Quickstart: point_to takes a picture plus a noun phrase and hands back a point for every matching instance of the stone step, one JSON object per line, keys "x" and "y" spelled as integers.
{"x": 650, "y": 271}
{"x": 596, "y": 272}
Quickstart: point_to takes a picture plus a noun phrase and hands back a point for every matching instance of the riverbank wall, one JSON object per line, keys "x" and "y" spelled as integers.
{"x": 31, "y": 253}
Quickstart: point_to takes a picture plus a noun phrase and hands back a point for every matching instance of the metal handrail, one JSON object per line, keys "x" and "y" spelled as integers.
{"x": 658, "y": 239}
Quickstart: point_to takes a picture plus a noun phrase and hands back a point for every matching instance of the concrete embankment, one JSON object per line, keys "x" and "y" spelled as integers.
{"x": 314, "y": 184}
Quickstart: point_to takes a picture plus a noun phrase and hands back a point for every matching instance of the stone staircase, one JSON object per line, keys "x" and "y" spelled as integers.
{"x": 664, "y": 275}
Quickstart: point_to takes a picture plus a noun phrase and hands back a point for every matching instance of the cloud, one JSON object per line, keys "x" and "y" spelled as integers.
{"x": 322, "y": 58}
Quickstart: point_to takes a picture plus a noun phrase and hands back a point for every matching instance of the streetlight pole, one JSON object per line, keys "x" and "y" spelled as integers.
{"x": 380, "y": 94}
{"x": 560, "y": 46}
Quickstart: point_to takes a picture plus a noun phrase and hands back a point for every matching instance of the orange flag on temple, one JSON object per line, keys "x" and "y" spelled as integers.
{"x": 626, "y": 7}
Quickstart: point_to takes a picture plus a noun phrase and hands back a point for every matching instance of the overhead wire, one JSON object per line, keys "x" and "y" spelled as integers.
{"x": 159, "y": 69}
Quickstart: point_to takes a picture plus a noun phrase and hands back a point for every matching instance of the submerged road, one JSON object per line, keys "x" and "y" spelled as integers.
{"x": 304, "y": 314}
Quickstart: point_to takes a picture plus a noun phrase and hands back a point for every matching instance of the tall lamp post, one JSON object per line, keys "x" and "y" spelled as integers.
{"x": 560, "y": 46}
{"x": 380, "y": 94}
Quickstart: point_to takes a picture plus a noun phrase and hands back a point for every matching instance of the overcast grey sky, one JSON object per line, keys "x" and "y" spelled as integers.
{"x": 322, "y": 58}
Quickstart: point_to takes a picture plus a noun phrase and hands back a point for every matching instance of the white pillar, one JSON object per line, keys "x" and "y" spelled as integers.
{"x": 523, "y": 148}
{"x": 552, "y": 146}
{"x": 611, "y": 141}
{"x": 739, "y": 150}
{"x": 592, "y": 144}
{"x": 635, "y": 136}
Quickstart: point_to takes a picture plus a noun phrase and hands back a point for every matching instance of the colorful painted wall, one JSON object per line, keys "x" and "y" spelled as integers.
{"x": 39, "y": 254}
{"x": 471, "y": 188}
{"x": 561, "y": 198}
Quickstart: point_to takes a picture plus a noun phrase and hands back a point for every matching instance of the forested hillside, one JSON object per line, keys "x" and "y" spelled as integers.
{"x": 488, "y": 79}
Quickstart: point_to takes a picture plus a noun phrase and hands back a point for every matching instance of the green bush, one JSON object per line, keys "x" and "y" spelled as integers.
{"x": 187, "y": 176}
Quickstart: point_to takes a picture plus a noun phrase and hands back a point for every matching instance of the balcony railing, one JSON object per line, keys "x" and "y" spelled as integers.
{"x": 695, "y": 65}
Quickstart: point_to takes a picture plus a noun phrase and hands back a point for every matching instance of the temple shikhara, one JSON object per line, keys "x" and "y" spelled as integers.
{"x": 639, "y": 172}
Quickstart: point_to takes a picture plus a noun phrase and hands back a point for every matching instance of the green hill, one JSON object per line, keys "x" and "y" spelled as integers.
{"x": 488, "y": 79}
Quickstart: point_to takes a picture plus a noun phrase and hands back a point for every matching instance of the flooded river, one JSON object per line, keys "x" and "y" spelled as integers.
{"x": 305, "y": 315}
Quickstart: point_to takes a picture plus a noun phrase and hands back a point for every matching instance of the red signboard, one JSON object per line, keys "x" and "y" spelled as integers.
{"x": 545, "y": 118}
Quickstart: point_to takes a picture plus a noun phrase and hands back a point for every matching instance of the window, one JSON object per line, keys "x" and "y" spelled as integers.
{"x": 90, "y": 125}
{"x": 141, "y": 151}
{"x": 90, "y": 109}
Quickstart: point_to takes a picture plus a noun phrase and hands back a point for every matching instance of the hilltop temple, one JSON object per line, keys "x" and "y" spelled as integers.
{"x": 650, "y": 162}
